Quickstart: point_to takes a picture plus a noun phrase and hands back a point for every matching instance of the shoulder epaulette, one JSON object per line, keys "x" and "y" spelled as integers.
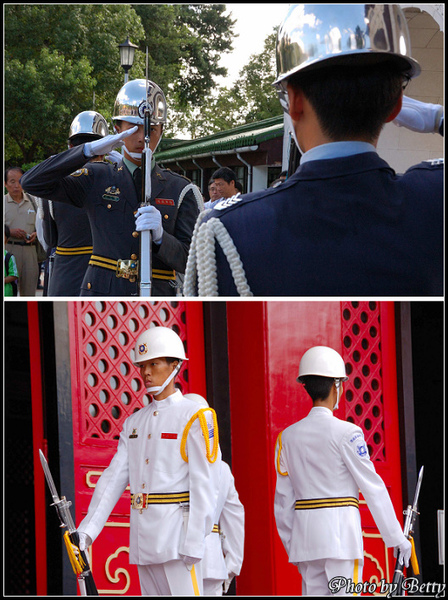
{"x": 177, "y": 174}
{"x": 434, "y": 162}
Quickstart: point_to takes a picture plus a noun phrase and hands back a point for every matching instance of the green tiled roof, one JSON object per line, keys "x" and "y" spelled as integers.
{"x": 240, "y": 137}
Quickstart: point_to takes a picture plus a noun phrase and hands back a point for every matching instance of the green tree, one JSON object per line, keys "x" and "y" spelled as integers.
{"x": 50, "y": 46}
{"x": 56, "y": 56}
{"x": 251, "y": 98}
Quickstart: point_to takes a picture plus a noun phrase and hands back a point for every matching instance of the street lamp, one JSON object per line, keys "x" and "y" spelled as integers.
{"x": 127, "y": 50}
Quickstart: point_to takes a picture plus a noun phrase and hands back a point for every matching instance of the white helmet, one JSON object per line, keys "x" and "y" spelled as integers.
{"x": 198, "y": 399}
{"x": 158, "y": 342}
{"x": 130, "y": 103}
{"x": 323, "y": 361}
{"x": 316, "y": 35}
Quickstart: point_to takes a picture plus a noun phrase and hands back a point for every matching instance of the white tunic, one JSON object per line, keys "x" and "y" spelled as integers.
{"x": 225, "y": 550}
{"x": 149, "y": 458}
{"x": 322, "y": 457}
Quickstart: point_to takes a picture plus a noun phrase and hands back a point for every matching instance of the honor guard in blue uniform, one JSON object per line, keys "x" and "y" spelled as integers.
{"x": 66, "y": 228}
{"x": 111, "y": 196}
{"x": 344, "y": 224}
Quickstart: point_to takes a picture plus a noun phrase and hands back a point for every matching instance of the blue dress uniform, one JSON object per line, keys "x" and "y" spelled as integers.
{"x": 109, "y": 196}
{"x": 344, "y": 226}
{"x": 67, "y": 229}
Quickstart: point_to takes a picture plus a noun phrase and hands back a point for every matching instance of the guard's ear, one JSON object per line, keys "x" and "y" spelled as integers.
{"x": 295, "y": 97}
{"x": 396, "y": 110}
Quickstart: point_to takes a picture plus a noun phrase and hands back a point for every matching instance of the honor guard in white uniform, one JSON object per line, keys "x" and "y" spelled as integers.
{"x": 322, "y": 463}
{"x": 169, "y": 454}
{"x": 224, "y": 551}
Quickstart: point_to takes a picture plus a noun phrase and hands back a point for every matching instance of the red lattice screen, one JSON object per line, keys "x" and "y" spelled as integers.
{"x": 363, "y": 359}
{"x": 112, "y": 388}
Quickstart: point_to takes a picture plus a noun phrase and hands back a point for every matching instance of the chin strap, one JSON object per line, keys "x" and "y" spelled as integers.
{"x": 158, "y": 389}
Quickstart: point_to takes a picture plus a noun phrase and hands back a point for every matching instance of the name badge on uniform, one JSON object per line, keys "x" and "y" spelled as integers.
{"x": 134, "y": 434}
{"x": 165, "y": 201}
{"x": 168, "y": 436}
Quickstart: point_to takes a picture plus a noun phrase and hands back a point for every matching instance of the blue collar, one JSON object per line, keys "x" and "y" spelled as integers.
{"x": 336, "y": 150}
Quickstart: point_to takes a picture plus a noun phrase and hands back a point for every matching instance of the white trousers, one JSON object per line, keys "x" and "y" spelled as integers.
{"x": 317, "y": 575}
{"x": 172, "y": 578}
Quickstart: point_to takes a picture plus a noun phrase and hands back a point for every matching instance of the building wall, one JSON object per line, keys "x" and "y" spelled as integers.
{"x": 400, "y": 147}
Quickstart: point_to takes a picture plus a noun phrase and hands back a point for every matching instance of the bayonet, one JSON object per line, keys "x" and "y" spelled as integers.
{"x": 78, "y": 558}
{"x": 411, "y": 513}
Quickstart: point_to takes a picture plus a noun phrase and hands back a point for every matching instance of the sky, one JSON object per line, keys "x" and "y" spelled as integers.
{"x": 254, "y": 22}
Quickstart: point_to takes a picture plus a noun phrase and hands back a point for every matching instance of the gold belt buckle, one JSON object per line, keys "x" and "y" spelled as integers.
{"x": 128, "y": 269}
{"x": 137, "y": 502}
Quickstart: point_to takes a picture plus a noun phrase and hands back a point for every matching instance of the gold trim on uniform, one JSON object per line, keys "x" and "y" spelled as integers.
{"x": 326, "y": 503}
{"x": 62, "y": 251}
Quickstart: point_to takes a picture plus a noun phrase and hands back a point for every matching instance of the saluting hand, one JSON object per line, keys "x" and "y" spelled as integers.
{"x": 107, "y": 144}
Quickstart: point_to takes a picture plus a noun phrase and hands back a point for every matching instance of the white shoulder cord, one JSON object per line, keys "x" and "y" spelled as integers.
{"x": 201, "y": 263}
{"x": 197, "y": 195}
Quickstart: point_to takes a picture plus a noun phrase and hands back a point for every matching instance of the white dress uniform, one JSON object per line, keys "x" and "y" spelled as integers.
{"x": 322, "y": 463}
{"x": 168, "y": 458}
{"x": 225, "y": 546}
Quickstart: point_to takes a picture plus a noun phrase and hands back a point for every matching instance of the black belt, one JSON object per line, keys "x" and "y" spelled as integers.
{"x": 326, "y": 503}
{"x": 22, "y": 243}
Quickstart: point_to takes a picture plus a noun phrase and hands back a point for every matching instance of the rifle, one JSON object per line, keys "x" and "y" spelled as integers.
{"x": 78, "y": 558}
{"x": 145, "y": 237}
{"x": 408, "y": 530}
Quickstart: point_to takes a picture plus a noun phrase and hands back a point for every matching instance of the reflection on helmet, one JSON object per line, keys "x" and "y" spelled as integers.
{"x": 158, "y": 342}
{"x": 312, "y": 35}
{"x": 323, "y": 361}
{"x": 130, "y": 103}
{"x": 88, "y": 122}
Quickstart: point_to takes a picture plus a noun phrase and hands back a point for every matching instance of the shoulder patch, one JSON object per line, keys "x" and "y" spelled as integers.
{"x": 227, "y": 203}
{"x": 80, "y": 172}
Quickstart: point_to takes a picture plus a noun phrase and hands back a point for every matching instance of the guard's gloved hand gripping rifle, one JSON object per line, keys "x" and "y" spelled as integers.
{"x": 145, "y": 236}
{"x": 78, "y": 558}
{"x": 411, "y": 514}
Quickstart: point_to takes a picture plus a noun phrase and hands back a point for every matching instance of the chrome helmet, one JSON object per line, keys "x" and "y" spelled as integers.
{"x": 130, "y": 103}
{"x": 316, "y": 35}
{"x": 88, "y": 123}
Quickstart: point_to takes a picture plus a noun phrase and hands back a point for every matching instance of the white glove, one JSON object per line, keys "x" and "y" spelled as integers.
{"x": 115, "y": 157}
{"x": 149, "y": 218}
{"x": 403, "y": 551}
{"x": 84, "y": 540}
{"x": 419, "y": 116}
{"x": 107, "y": 144}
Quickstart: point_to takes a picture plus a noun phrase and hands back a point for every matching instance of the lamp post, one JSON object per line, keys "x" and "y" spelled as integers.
{"x": 127, "y": 50}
